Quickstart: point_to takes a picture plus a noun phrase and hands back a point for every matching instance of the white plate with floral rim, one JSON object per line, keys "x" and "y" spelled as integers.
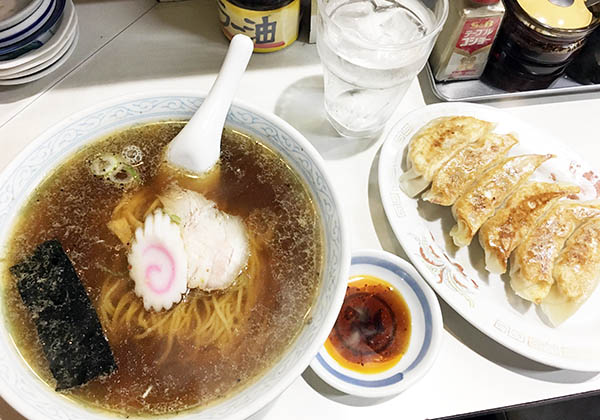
{"x": 459, "y": 276}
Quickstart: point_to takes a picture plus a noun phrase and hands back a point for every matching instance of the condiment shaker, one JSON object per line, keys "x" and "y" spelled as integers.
{"x": 462, "y": 48}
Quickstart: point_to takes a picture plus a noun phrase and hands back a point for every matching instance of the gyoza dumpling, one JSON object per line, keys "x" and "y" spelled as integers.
{"x": 480, "y": 200}
{"x": 501, "y": 234}
{"x": 532, "y": 262}
{"x": 455, "y": 176}
{"x": 576, "y": 273}
{"x": 434, "y": 144}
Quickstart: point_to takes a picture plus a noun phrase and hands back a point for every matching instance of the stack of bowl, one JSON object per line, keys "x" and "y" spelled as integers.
{"x": 36, "y": 38}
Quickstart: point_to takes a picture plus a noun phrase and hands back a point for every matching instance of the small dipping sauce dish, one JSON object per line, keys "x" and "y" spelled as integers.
{"x": 388, "y": 332}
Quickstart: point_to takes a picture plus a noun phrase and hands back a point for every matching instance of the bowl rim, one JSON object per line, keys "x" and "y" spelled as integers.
{"x": 12, "y": 397}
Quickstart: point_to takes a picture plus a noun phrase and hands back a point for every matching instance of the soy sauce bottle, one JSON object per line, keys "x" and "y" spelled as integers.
{"x": 271, "y": 24}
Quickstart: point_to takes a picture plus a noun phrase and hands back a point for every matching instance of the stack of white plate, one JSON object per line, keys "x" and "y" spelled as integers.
{"x": 36, "y": 37}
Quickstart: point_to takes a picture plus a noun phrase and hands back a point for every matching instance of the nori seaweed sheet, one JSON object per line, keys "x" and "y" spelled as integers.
{"x": 67, "y": 324}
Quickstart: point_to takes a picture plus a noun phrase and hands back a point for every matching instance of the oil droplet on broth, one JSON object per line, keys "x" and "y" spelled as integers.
{"x": 373, "y": 329}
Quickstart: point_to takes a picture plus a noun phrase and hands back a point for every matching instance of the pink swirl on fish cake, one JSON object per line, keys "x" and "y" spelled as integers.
{"x": 155, "y": 272}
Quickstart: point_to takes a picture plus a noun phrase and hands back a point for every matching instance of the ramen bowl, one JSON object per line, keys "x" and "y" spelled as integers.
{"x": 33, "y": 398}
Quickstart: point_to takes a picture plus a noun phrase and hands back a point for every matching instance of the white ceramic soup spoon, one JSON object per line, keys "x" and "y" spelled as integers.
{"x": 198, "y": 145}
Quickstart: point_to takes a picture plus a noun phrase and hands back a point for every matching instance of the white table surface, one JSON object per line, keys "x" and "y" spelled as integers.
{"x": 132, "y": 46}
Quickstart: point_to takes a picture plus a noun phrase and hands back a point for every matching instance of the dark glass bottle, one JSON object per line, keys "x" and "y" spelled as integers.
{"x": 585, "y": 68}
{"x": 529, "y": 54}
{"x": 272, "y": 24}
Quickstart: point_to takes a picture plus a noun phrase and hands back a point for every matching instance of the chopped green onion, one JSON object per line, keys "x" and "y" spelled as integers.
{"x": 175, "y": 219}
{"x": 131, "y": 171}
{"x": 121, "y": 175}
{"x": 104, "y": 165}
{"x": 132, "y": 155}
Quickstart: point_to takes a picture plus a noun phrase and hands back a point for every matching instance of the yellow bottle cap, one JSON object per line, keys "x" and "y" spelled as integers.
{"x": 563, "y": 14}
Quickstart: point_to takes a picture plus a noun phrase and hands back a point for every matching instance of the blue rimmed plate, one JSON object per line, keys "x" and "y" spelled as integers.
{"x": 12, "y": 12}
{"x": 67, "y": 27}
{"x": 426, "y": 331}
{"x": 39, "y": 37}
{"x": 35, "y": 73}
{"x": 28, "y": 26}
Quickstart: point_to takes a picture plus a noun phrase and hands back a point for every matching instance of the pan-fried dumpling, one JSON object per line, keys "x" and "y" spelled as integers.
{"x": 501, "y": 234}
{"x": 434, "y": 144}
{"x": 576, "y": 273}
{"x": 480, "y": 200}
{"x": 531, "y": 263}
{"x": 455, "y": 176}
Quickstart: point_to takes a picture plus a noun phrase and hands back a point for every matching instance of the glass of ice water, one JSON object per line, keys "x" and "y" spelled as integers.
{"x": 371, "y": 51}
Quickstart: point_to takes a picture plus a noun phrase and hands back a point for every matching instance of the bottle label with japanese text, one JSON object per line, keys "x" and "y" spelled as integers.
{"x": 472, "y": 47}
{"x": 271, "y": 30}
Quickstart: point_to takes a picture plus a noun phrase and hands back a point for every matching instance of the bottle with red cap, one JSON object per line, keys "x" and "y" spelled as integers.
{"x": 463, "y": 46}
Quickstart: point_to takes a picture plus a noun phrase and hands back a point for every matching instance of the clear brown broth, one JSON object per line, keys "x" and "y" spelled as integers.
{"x": 73, "y": 206}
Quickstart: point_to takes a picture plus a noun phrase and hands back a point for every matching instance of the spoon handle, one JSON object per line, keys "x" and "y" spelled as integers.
{"x": 216, "y": 105}
{"x": 199, "y": 142}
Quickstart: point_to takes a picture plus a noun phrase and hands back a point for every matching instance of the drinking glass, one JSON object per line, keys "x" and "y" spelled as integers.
{"x": 371, "y": 51}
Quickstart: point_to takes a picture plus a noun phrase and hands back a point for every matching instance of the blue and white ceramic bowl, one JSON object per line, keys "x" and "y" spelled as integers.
{"x": 22, "y": 389}
{"x": 37, "y": 38}
{"x": 66, "y": 29}
{"x": 28, "y": 26}
{"x": 426, "y": 331}
{"x": 13, "y": 12}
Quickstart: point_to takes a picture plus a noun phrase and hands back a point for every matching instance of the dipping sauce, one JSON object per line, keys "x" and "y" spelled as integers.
{"x": 373, "y": 328}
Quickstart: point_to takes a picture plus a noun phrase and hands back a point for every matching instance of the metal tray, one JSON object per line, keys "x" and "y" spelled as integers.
{"x": 477, "y": 91}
